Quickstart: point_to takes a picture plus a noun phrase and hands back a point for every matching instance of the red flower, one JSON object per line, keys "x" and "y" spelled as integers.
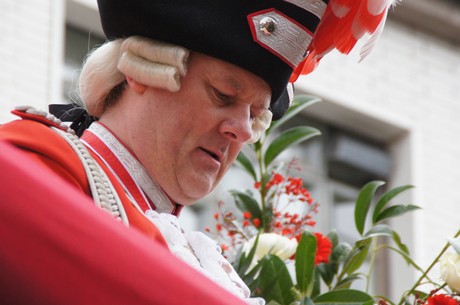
{"x": 256, "y": 222}
{"x": 294, "y": 186}
{"x": 224, "y": 247}
{"x": 219, "y": 227}
{"x": 287, "y": 231}
{"x": 247, "y": 215}
{"x": 441, "y": 299}
{"x": 324, "y": 249}
{"x": 216, "y": 216}
{"x": 257, "y": 185}
{"x": 245, "y": 223}
{"x": 276, "y": 179}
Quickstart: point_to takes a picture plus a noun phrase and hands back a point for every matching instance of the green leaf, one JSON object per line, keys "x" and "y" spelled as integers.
{"x": 298, "y": 104}
{"x": 245, "y": 261}
{"x": 363, "y": 203}
{"x": 421, "y": 294}
{"x": 307, "y": 301}
{"x": 356, "y": 259}
{"x": 338, "y": 255}
{"x": 364, "y": 242}
{"x": 339, "y": 252}
{"x": 316, "y": 290}
{"x": 346, "y": 282}
{"x": 287, "y": 139}
{"x": 343, "y": 297}
{"x": 387, "y": 197}
{"x": 401, "y": 246}
{"x": 243, "y": 161}
{"x": 305, "y": 262}
{"x": 330, "y": 270}
{"x": 379, "y": 230}
{"x": 246, "y": 202}
{"x": 334, "y": 238}
{"x": 251, "y": 279}
{"x": 396, "y": 210}
{"x": 275, "y": 281}
{"x": 326, "y": 271}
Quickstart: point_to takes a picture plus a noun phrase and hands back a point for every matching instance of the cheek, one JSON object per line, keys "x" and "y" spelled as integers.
{"x": 233, "y": 152}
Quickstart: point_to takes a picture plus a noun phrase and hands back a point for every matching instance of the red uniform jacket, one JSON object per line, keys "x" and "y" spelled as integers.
{"x": 57, "y": 247}
{"x": 48, "y": 149}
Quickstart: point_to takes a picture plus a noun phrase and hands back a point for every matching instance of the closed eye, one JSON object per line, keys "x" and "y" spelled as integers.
{"x": 226, "y": 99}
{"x": 222, "y": 97}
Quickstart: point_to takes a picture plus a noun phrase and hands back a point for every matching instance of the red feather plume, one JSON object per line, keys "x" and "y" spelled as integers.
{"x": 344, "y": 22}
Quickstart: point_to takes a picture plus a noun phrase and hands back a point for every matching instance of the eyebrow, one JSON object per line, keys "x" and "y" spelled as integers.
{"x": 233, "y": 82}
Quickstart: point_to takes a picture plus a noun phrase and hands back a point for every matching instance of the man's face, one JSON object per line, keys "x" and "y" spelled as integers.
{"x": 188, "y": 140}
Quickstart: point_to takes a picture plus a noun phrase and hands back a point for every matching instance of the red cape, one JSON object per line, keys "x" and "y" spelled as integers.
{"x": 56, "y": 247}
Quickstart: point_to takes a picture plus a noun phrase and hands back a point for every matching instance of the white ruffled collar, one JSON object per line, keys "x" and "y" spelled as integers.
{"x": 203, "y": 254}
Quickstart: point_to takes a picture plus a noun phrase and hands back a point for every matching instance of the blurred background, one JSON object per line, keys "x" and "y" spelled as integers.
{"x": 392, "y": 117}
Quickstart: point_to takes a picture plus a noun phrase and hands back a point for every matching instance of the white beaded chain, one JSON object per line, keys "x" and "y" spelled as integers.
{"x": 102, "y": 190}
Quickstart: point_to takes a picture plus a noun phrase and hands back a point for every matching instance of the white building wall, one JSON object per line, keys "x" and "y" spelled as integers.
{"x": 30, "y": 53}
{"x": 407, "y": 92}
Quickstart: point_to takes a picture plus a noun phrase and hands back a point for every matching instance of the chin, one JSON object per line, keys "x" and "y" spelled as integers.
{"x": 191, "y": 194}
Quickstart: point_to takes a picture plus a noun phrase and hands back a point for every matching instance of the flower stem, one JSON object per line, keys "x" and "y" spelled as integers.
{"x": 435, "y": 261}
{"x": 372, "y": 261}
{"x": 263, "y": 190}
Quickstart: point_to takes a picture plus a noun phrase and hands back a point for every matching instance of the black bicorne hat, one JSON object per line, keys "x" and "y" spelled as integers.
{"x": 268, "y": 38}
{"x": 277, "y": 40}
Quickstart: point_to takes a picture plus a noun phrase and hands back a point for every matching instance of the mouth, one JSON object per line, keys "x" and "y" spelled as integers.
{"x": 216, "y": 156}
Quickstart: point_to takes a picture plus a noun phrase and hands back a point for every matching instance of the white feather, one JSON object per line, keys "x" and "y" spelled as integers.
{"x": 339, "y": 10}
{"x": 376, "y": 7}
{"x": 370, "y": 43}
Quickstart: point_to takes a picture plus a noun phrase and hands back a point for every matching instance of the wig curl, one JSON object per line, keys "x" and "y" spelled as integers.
{"x": 146, "y": 61}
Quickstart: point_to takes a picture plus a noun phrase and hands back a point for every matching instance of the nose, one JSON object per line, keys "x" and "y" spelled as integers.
{"x": 237, "y": 126}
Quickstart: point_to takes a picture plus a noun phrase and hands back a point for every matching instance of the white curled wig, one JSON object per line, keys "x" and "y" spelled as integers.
{"x": 99, "y": 76}
{"x": 148, "y": 62}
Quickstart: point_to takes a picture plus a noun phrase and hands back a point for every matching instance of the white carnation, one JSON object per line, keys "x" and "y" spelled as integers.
{"x": 260, "y": 125}
{"x": 450, "y": 270}
{"x": 271, "y": 243}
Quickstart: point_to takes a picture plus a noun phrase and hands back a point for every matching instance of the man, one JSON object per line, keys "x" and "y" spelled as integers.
{"x": 177, "y": 91}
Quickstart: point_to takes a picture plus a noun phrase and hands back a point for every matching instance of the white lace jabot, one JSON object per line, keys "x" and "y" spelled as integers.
{"x": 203, "y": 254}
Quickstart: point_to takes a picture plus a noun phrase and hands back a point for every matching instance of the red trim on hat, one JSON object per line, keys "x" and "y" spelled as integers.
{"x": 254, "y": 34}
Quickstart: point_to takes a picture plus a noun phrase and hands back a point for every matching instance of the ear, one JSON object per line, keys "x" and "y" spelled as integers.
{"x": 136, "y": 86}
